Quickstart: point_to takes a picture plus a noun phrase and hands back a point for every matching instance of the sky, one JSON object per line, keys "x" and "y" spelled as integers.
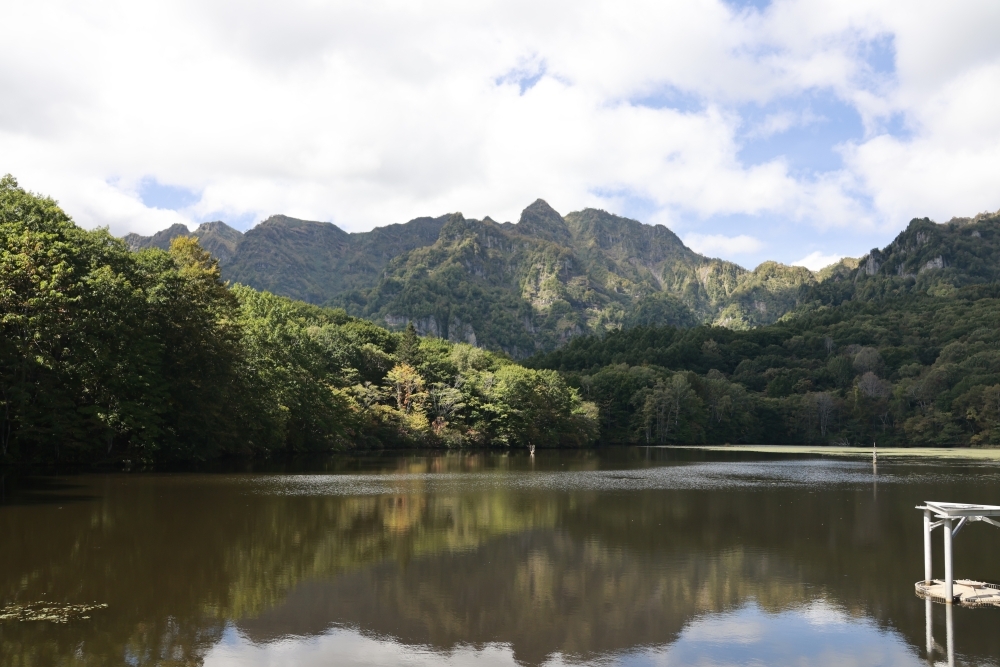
{"x": 800, "y": 131}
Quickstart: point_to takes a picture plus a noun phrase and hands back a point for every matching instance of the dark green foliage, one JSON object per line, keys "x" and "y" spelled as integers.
{"x": 108, "y": 354}
{"x": 101, "y": 345}
{"x": 659, "y": 309}
{"x": 533, "y": 407}
{"x": 409, "y": 346}
{"x": 915, "y": 369}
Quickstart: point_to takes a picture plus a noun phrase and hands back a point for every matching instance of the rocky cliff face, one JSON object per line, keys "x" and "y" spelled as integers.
{"x": 521, "y": 287}
{"x": 931, "y": 257}
{"x": 533, "y": 285}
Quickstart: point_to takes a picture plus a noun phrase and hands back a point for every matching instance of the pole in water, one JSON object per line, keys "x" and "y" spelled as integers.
{"x": 949, "y": 579}
{"x": 927, "y": 547}
{"x": 874, "y": 453}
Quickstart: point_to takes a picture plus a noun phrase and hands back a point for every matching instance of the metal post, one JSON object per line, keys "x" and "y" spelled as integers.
{"x": 927, "y": 547}
{"x": 948, "y": 578}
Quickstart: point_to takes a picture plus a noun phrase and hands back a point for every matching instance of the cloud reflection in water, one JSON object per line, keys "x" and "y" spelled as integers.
{"x": 817, "y": 634}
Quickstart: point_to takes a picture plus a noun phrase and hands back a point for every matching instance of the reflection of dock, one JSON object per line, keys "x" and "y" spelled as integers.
{"x": 964, "y": 591}
{"x": 933, "y": 646}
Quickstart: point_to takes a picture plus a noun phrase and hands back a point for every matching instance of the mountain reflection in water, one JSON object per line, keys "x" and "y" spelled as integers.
{"x": 815, "y": 635}
{"x": 623, "y": 556}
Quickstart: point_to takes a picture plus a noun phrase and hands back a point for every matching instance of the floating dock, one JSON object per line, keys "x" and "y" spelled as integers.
{"x": 965, "y": 592}
{"x": 951, "y": 518}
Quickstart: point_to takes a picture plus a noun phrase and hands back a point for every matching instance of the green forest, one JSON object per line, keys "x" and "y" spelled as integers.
{"x": 109, "y": 355}
{"x": 113, "y": 352}
{"x": 905, "y": 370}
{"x": 899, "y": 348}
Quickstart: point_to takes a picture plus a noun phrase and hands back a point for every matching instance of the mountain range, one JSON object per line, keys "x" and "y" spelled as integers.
{"x": 530, "y": 286}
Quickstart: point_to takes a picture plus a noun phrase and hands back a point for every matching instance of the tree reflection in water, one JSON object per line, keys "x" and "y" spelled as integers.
{"x": 581, "y": 557}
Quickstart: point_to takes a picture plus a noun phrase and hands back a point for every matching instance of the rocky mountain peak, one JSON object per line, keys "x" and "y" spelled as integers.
{"x": 160, "y": 239}
{"x": 219, "y": 239}
{"x": 219, "y": 227}
{"x": 543, "y": 221}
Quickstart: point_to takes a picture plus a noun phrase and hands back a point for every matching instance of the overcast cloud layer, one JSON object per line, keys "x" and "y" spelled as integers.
{"x": 792, "y": 130}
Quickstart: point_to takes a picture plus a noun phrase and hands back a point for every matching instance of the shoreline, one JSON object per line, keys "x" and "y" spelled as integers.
{"x": 853, "y": 452}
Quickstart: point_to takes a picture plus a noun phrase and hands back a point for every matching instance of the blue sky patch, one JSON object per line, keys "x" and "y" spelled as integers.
{"x": 896, "y": 126}
{"x": 169, "y": 197}
{"x": 669, "y": 97}
{"x": 804, "y": 131}
{"x": 525, "y": 77}
{"x": 633, "y": 206}
{"x": 880, "y": 54}
{"x": 759, "y": 5}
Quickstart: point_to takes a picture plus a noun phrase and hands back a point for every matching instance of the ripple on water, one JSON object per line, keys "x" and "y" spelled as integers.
{"x": 695, "y": 476}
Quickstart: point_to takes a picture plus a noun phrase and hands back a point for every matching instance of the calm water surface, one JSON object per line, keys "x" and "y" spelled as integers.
{"x": 620, "y": 557}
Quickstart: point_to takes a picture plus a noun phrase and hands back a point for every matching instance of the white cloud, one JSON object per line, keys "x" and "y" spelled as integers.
{"x": 949, "y": 166}
{"x": 373, "y": 113}
{"x": 718, "y": 244}
{"x": 815, "y": 261}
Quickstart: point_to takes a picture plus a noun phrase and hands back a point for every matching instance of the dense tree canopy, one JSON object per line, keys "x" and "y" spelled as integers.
{"x": 907, "y": 369}
{"x": 106, "y": 354}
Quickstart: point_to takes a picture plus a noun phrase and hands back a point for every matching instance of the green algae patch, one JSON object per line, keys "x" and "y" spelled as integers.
{"x": 48, "y": 611}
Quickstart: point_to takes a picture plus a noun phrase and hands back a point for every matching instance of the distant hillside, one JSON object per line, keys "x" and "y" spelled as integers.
{"x": 521, "y": 287}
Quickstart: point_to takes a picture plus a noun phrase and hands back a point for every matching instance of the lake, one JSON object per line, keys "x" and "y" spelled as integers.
{"x": 628, "y": 556}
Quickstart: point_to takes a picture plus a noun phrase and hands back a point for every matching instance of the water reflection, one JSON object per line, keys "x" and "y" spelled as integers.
{"x": 631, "y": 557}
{"x": 815, "y": 634}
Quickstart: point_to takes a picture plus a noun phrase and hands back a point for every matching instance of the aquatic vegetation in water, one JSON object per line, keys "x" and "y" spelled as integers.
{"x": 48, "y": 611}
